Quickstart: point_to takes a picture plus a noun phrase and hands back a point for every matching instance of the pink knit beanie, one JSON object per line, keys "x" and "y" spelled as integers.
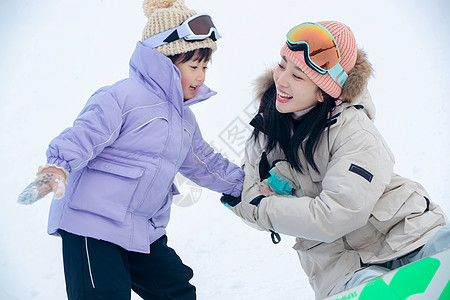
{"x": 347, "y": 46}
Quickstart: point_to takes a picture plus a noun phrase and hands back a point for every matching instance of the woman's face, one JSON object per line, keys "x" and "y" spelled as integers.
{"x": 295, "y": 91}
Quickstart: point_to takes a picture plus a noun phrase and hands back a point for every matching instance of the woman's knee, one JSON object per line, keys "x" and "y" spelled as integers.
{"x": 364, "y": 275}
{"x": 438, "y": 242}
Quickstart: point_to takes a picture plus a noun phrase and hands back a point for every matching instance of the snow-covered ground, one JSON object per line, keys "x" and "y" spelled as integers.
{"x": 55, "y": 53}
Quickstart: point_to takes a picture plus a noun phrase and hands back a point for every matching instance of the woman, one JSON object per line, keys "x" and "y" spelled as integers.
{"x": 318, "y": 169}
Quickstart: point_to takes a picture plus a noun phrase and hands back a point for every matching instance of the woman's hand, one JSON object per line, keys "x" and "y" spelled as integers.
{"x": 266, "y": 191}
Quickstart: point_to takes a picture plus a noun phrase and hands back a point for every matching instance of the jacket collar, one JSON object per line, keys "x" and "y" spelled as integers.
{"x": 203, "y": 93}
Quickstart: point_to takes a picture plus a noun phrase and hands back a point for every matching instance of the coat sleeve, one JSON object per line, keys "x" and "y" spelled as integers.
{"x": 209, "y": 169}
{"x": 253, "y": 152}
{"x": 356, "y": 176}
{"x": 96, "y": 127}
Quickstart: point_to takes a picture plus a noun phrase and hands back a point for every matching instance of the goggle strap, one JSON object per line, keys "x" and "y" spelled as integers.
{"x": 172, "y": 37}
{"x": 167, "y": 36}
{"x": 338, "y": 74}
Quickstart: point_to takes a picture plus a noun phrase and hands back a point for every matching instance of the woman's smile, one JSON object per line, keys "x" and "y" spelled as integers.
{"x": 283, "y": 97}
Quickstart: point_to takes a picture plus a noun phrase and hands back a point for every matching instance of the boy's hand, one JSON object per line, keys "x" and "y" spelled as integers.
{"x": 48, "y": 180}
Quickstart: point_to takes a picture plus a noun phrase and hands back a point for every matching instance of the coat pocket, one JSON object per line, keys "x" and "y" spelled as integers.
{"x": 106, "y": 188}
{"x": 305, "y": 245}
{"x": 160, "y": 218}
{"x": 395, "y": 205}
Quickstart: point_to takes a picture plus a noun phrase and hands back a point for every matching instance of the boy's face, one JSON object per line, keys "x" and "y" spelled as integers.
{"x": 193, "y": 74}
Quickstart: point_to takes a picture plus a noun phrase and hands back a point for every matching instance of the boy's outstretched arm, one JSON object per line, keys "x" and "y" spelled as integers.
{"x": 211, "y": 170}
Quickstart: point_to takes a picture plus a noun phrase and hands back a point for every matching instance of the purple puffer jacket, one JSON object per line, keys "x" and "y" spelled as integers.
{"x": 123, "y": 152}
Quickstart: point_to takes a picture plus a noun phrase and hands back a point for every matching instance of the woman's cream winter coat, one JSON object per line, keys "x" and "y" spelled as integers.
{"x": 354, "y": 211}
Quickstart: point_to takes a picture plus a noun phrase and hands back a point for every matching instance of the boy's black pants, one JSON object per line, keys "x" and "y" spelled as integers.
{"x": 95, "y": 269}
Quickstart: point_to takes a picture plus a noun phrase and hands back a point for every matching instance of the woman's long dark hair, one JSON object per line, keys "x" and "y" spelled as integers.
{"x": 308, "y": 128}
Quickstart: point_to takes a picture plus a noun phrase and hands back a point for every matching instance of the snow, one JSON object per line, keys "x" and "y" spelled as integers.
{"x": 54, "y": 54}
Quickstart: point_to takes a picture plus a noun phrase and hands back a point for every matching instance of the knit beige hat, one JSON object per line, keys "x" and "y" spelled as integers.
{"x": 166, "y": 14}
{"x": 353, "y": 61}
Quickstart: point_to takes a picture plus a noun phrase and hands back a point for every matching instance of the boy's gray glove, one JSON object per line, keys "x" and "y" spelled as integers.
{"x": 49, "y": 179}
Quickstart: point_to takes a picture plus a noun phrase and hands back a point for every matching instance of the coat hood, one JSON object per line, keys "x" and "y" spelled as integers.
{"x": 156, "y": 71}
{"x": 364, "y": 101}
{"x": 357, "y": 79}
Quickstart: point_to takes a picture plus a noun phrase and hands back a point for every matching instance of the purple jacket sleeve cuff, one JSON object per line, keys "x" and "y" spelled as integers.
{"x": 60, "y": 163}
{"x": 237, "y": 190}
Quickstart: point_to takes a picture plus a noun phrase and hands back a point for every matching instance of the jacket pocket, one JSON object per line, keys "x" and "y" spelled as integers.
{"x": 106, "y": 188}
{"x": 165, "y": 205}
{"x": 323, "y": 261}
{"x": 305, "y": 245}
{"x": 395, "y": 205}
{"x": 160, "y": 218}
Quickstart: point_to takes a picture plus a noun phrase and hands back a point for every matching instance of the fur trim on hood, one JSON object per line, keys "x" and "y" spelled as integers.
{"x": 358, "y": 78}
{"x": 263, "y": 83}
{"x": 354, "y": 87}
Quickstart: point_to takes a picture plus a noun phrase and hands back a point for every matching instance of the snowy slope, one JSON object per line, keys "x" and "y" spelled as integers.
{"x": 55, "y": 53}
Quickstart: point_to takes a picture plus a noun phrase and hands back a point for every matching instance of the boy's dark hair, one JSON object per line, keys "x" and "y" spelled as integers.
{"x": 202, "y": 54}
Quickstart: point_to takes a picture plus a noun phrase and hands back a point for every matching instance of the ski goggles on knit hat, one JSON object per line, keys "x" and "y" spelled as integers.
{"x": 321, "y": 52}
{"x": 196, "y": 28}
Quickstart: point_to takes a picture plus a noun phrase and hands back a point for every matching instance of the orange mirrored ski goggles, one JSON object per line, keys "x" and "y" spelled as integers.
{"x": 321, "y": 52}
